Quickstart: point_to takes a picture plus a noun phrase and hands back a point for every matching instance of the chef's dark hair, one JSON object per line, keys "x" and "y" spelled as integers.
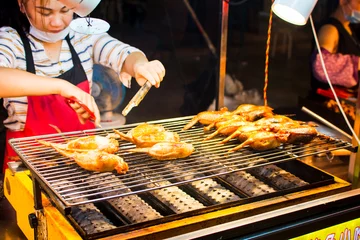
{"x": 10, "y": 15}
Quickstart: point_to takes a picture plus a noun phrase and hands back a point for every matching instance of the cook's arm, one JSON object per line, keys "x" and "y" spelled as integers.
{"x": 137, "y": 65}
{"x": 17, "y": 83}
{"x": 126, "y": 60}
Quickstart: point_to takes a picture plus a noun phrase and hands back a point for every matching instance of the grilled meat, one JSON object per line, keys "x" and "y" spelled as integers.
{"x": 242, "y": 108}
{"x": 262, "y": 140}
{"x": 150, "y": 137}
{"x": 167, "y": 150}
{"x": 265, "y": 140}
{"x": 228, "y": 127}
{"x": 242, "y": 132}
{"x": 84, "y": 144}
{"x": 208, "y": 117}
{"x": 253, "y": 112}
{"x": 300, "y": 134}
{"x": 273, "y": 119}
{"x": 222, "y": 120}
{"x": 139, "y": 130}
{"x": 97, "y": 161}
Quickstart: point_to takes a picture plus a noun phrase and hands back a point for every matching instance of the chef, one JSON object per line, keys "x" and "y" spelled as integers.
{"x": 43, "y": 63}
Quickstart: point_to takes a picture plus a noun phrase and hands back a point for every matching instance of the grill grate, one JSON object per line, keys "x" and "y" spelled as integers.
{"x": 208, "y": 160}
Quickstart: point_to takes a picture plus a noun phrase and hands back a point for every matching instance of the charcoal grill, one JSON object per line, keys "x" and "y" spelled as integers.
{"x": 211, "y": 179}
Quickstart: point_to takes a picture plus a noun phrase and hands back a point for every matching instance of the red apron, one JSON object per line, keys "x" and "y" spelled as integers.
{"x": 44, "y": 111}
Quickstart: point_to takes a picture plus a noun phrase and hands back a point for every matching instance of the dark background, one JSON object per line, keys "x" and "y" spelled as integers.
{"x": 164, "y": 30}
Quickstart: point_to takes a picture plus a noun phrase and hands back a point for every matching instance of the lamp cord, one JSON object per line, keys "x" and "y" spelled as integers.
{"x": 330, "y": 84}
{"x": 266, "y": 82}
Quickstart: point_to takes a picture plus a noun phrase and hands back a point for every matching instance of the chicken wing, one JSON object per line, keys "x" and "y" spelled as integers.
{"x": 167, "y": 150}
{"x": 87, "y": 143}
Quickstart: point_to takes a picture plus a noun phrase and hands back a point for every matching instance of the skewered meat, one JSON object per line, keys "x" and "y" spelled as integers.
{"x": 99, "y": 143}
{"x": 224, "y": 120}
{"x": 228, "y": 128}
{"x": 244, "y": 108}
{"x": 147, "y": 138}
{"x": 243, "y": 132}
{"x": 207, "y": 117}
{"x": 262, "y": 140}
{"x": 167, "y": 150}
{"x": 273, "y": 119}
{"x": 301, "y": 134}
{"x": 97, "y": 161}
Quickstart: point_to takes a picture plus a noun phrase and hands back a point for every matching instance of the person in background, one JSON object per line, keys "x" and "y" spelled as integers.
{"x": 340, "y": 49}
{"x": 43, "y": 63}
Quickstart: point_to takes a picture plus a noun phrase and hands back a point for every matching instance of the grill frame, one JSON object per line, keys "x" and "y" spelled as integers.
{"x": 23, "y": 148}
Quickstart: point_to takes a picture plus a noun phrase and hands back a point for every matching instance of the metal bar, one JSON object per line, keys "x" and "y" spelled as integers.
{"x": 233, "y": 226}
{"x": 224, "y": 15}
{"x": 354, "y": 163}
{"x": 324, "y": 121}
{"x": 201, "y": 29}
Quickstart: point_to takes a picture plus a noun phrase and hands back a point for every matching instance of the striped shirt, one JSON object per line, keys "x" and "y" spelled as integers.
{"x": 92, "y": 49}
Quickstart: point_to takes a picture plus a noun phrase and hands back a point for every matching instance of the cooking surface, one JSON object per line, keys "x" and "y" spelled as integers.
{"x": 154, "y": 192}
{"x": 209, "y": 159}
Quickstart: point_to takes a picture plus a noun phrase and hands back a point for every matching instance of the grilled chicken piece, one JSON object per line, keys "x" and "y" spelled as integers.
{"x": 148, "y": 140}
{"x": 228, "y": 128}
{"x": 208, "y": 117}
{"x": 167, "y": 150}
{"x": 262, "y": 140}
{"x": 87, "y": 143}
{"x": 222, "y": 120}
{"x": 139, "y": 130}
{"x": 273, "y": 119}
{"x": 146, "y": 135}
{"x": 253, "y": 112}
{"x": 97, "y": 161}
{"x": 300, "y": 134}
{"x": 244, "y": 108}
{"x": 243, "y": 132}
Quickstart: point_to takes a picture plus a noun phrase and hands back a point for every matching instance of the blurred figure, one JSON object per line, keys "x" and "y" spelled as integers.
{"x": 340, "y": 49}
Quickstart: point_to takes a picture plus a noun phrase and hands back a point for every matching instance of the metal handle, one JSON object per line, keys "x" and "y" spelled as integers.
{"x": 326, "y": 122}
{"x": 138, "y": 97}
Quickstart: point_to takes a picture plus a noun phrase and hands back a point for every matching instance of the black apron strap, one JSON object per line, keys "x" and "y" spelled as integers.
{"x": 30, "y": 66}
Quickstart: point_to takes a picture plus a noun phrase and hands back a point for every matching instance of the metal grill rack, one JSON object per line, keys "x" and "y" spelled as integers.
{"x": 209, "y": 159}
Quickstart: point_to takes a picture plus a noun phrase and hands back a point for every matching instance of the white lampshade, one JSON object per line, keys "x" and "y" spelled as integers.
{"x": 294, "y": 11}
{"x": 81, "y": 7}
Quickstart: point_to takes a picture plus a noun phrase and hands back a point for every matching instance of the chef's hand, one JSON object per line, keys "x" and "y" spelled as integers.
{"x": 152, "y": 71}
{"x": 69, "y": 90}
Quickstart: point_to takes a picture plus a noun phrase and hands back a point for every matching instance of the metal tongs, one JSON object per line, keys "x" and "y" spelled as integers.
{"x": 137, "y": 98}
{"x": 73, "y": 99}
